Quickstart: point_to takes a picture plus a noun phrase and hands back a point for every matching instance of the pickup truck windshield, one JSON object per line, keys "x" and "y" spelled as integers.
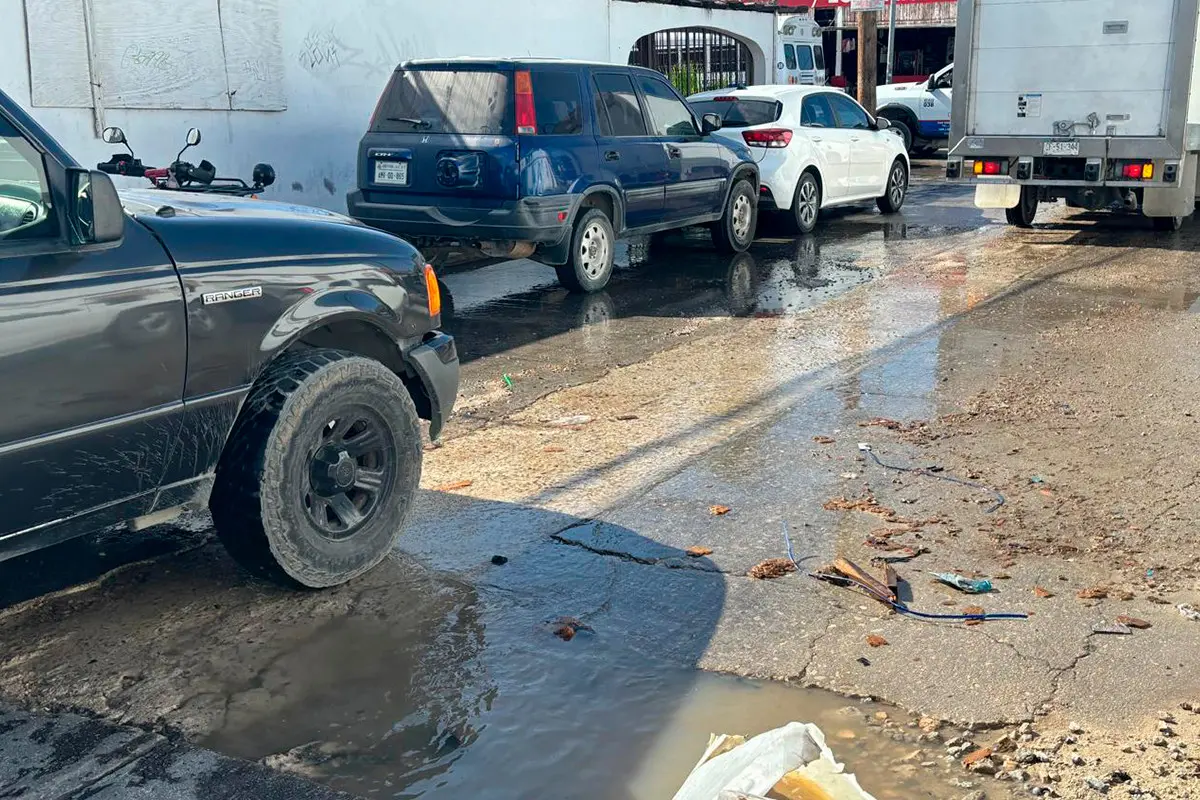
{"x": 446, "y": 101}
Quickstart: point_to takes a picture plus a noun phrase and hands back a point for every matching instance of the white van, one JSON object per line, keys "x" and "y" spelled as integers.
{"x": 799, "y": 52}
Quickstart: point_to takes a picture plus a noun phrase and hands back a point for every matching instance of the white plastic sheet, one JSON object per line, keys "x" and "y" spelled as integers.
{"x": 795, "y": 755}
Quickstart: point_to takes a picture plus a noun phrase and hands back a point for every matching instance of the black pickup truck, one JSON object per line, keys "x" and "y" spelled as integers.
{"x": 161, "y": 351}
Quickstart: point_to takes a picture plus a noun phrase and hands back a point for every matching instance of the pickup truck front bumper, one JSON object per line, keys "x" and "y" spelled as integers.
{"x": 435, "y": 361}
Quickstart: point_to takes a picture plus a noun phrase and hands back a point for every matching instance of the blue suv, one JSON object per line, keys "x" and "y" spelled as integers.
{"x": 554, "y": 160}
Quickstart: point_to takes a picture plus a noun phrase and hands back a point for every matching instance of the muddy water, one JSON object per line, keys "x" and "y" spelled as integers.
{"x": 468, "y": 694}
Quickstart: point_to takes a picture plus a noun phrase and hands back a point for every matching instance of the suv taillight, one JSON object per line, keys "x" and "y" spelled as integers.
{"x": 526, "y": 113}
{"x": 768, "y": 137}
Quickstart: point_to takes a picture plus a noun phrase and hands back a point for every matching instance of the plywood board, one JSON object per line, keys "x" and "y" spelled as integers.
{"x": 58, "y": 63}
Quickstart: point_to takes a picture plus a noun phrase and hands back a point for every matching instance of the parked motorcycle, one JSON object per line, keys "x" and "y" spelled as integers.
{"x": 182, "y": 176}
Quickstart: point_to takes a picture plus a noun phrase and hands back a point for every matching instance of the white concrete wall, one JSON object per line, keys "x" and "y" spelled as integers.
{"x": 337, "y": 58}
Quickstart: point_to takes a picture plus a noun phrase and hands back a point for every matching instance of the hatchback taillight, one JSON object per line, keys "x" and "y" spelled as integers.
{"x": 768, "y": 137}
{"x": 526, "y": 113}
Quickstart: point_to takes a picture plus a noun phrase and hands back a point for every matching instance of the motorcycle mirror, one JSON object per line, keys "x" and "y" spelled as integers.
{"x": 264, "y": 175}
{"x": 193, "y": 137}
{"x": 113, "y": 135}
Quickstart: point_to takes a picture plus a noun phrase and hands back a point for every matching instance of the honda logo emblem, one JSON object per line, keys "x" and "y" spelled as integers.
{"x": 424, "y": 140}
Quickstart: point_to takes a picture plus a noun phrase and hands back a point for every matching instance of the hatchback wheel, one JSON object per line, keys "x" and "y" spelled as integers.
{"x": 897, "y": 188}
{"x": 590, "y": 265}
{"x": 806, "y": 205}
{"x": 734, "y": 232}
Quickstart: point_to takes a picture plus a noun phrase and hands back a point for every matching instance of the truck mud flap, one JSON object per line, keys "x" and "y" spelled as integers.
{"x": 999, "y": 195}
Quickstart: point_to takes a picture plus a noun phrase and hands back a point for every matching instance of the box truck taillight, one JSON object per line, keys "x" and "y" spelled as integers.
{"x": 1138, "y": 171}
{"x": 768, "y": 137}
{"x": 526, "y": 113}
{"x": 989, "y": 167}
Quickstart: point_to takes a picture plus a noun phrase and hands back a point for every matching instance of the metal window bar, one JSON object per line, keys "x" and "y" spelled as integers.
{"x": 695, "y": 59}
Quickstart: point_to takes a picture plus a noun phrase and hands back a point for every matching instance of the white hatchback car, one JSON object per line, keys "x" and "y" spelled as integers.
{"x": 819, "y": 148}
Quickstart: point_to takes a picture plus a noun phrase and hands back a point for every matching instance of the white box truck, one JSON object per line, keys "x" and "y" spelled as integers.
{"x": 1093, "y": 101}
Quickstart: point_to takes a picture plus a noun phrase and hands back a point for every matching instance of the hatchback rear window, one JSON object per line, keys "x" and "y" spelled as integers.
{"x": 738, "y": 112}
{"x": 446, "y": 101}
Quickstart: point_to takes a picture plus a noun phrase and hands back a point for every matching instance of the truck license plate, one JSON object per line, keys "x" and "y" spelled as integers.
{"x": 391, "y": 172}
{"x": 1060, "y": 148}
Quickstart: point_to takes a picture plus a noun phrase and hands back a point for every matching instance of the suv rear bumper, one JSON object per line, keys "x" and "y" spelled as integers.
{"x": 541, "y": 220}
{"x": 435, "y": 361}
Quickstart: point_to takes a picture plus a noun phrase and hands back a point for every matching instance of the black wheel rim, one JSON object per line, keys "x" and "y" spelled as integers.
{"x": 350, "y": 471}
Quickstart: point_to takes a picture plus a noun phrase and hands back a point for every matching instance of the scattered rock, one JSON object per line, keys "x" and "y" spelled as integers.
{"x": 499, "y": 561}
{"x": 719, "y": 511}
{"x": 1092, "y": 593}
{"x": 1075, "y": 727}
{"x": 824, "y": 440}
{"x": 1097, "y": 784}
{"x": 876, "y": 641}
{"x": 697, "y": 551}
{"x": 1133, "y": 622}
{"x": 1042, "y": 593}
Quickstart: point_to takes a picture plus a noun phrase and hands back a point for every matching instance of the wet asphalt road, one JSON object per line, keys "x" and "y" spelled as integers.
{"x": 438, "y": 675}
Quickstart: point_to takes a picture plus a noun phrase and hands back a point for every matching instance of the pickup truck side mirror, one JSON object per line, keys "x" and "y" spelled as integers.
{"x": 95, "y": 210}
{"x": 710, "y": 123}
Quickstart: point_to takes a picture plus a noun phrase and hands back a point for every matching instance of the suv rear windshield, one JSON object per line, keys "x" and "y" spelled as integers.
{"x": 446, "y": 101}
{"x": 740, "y": 113}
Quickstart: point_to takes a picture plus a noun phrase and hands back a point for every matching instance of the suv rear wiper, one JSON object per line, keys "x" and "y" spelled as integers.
{"x": 416, "y": 123}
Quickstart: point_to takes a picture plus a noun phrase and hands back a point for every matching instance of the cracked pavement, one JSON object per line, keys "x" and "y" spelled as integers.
{"x": 1056, "y": 365}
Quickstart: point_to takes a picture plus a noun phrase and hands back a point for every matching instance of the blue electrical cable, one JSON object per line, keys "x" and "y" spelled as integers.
{"x": 896, "y": 604}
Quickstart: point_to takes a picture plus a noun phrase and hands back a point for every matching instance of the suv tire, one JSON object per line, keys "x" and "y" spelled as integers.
{"x": 734, "y": 232}
{"x": 589, "y": 266}
{"x": 320, "y": 471}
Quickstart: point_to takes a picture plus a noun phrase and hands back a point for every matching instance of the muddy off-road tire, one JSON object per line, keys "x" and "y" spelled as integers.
{"x": 589, "y": 267}
{"x": 321, "y": 469}
{"x": 734, "y": 232}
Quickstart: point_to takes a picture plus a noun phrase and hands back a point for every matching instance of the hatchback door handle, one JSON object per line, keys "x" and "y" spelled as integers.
{"x": 612, "y": 155}
{"x": 854, "y": 138}
{"x": 674, "y": 152}
{"x": 816, "y": 139}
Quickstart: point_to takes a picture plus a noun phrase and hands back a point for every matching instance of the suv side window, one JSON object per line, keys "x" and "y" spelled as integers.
{"x": 669, "y": 115}
{"x": 25, "y": 209}
{"x": 849, "y": 113}
{"x": 815, "y": 112}
{"x": 556, "y": 101}
{"x": 617, "y": 106}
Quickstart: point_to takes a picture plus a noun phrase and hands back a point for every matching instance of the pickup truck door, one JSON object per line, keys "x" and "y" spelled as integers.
{"x": 933, "y": 117}
{"x": 93, "y": 349}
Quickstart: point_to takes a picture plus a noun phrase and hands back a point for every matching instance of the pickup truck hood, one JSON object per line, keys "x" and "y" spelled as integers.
{"x": 205, "y": 229}
{"x": 140, "y": 202}
{"x": 893, "y": 89}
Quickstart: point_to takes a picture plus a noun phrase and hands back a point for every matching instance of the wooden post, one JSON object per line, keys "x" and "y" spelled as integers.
{"x": 868, "y": 59}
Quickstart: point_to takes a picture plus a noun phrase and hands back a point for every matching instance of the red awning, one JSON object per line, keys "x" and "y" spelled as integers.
{"x": 823, "y": 4}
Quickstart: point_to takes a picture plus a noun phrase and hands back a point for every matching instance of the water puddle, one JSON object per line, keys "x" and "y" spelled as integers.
{"x": 479, "y": 702}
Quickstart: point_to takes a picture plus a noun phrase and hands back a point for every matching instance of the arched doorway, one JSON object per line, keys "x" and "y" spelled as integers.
{"x": 695, "y": 59}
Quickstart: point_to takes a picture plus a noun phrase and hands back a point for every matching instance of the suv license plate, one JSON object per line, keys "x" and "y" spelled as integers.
{"x": 1060, "y": 148}
{"x": 391, "y": 172}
